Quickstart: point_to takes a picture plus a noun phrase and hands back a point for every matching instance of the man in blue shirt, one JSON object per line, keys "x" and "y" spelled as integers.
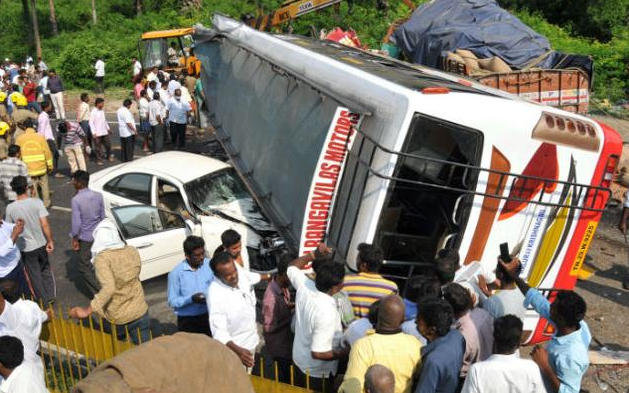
{"x": 442, "y": 357}
{"x": 564, "y": 361}
{"x": 188, "y": 284}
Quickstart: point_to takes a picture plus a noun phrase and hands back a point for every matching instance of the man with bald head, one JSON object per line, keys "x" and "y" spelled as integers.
{"x": 388, "y": 346}
{"x": 379, "y": 379}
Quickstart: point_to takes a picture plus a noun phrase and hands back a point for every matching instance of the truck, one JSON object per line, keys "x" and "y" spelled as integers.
{"x": 341, "y": 145}
{"x": 487, "y": 43}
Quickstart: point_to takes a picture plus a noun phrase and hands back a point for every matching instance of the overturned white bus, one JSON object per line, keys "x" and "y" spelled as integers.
{"x": 341, "y": 145}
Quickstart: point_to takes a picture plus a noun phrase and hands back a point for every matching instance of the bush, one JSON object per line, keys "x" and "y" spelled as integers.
{"x": 610, "y": 59}
{"x": 116, "y": 35}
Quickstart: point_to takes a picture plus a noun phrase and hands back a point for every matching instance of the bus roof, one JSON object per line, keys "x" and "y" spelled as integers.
{"x": 410, "y": 76}
{"x": 151, "y": 35}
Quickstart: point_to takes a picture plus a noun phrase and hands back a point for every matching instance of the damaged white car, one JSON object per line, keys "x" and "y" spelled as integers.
{"x": 158, "y": 200}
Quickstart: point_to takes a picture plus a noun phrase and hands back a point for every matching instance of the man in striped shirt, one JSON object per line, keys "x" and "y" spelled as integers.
{"x": 9, "y": 168}
{"x": 368, "y": 285}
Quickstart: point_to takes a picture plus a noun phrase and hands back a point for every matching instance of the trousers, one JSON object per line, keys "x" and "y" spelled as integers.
{"x": 126, "y": 148}
{"x": 19, "y": 276}
{"x": 139, "y": 330}
{"x": 57, "y": 102}
{"x": 76, "y": 158}
{"x": 158, "y": 137}
{"x": 102, "y": 142}
{"x": 40, "y": 273}
{"x": 194, "y": 324}
{"x": 178, "y": 135}
{"x": 41, "y": 189}
{"x": 85, "y": 267}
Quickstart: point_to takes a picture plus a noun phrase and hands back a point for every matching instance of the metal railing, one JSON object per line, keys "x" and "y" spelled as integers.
{"x": 70, "y": 350}
{"x": 468, "y": 172}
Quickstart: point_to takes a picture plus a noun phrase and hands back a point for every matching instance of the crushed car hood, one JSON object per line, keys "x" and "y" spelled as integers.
{"x": 244, "y": 210}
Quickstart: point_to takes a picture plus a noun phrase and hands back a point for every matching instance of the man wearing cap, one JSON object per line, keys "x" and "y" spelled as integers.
{"x": 4, "y": 143}
{"x": 23, "y": 118}
{"x": 4, "y": 113}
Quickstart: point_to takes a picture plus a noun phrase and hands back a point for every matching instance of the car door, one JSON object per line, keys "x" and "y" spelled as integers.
{"x": 128, "y": 189}
{"x": 157, "y": 234}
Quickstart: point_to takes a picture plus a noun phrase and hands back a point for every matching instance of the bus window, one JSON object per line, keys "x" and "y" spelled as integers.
{"x": 417, "y": 219}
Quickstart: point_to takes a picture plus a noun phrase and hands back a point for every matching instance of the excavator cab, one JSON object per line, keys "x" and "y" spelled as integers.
{"x": 166, "y": 48}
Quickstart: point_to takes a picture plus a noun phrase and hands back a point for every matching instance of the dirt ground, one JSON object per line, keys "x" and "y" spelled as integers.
{"x": 608, "y": 303}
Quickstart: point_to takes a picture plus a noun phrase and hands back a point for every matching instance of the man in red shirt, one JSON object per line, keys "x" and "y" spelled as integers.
{"x": 30, "y": 92}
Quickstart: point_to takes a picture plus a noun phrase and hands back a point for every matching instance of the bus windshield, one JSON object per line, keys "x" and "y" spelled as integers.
{"x": 417, "y": 219}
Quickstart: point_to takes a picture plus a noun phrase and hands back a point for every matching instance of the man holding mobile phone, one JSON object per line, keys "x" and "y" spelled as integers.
{"x": 187, "y": 288}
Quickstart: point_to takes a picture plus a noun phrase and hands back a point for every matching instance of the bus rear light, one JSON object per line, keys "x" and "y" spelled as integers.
{"x": 550, "y": 121}
{"x": 435, "y": 90}
{"x": 566, "y": 130}
{"x": 610, "y": 169}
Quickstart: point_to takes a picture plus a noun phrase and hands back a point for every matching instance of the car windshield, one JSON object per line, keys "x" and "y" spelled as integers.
{"x": 216, "y": 189}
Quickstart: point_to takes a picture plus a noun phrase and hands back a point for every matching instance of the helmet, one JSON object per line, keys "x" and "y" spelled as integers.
{"x": 19, "y": 99}
{"x": 4, "y": 127}
{"x": 3, "y": 96}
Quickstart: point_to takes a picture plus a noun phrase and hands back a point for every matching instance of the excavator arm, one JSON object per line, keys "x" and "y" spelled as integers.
{"x": 291, "y": 9}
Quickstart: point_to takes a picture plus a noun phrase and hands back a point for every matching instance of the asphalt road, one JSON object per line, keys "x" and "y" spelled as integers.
{"x": 71, "y": 290}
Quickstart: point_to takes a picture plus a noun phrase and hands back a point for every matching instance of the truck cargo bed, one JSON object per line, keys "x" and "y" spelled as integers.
{"x": 567, "y": 89}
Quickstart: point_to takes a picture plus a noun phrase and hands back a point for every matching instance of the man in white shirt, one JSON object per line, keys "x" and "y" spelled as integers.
{"x": 178, "y": 111}
{"x": 22, "y": 319}
{"x": 11, "y": 267}
{"x": 151, "y": 89}
{"x": 137, "y": 70}
{"x": 172, "y": 55}
{"x": 173, "y": 85}
{"x": 19, "y": 376}
{"x": 232, "y": 307}
{"x": 100, "y": 75}
{"x": 145, "y": 127}
{"x": 504, "y": 371}
{"x": 126, "y": 130}
{"x": 156, "y": 120}
{"x": 152, "y": 75}
{"x": 100, "y": 132}
{"x": 318, "y": 332}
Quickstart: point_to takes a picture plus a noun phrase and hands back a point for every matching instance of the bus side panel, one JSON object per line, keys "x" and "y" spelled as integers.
{"x": 272, "y": 126}
{"x": 584, "y": 231}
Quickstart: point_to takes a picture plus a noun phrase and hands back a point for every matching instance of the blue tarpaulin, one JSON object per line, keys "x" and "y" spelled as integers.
{"x": 481, "y": 26}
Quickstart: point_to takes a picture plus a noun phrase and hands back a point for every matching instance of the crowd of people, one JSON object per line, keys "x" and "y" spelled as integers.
{"x": 461, "y": 340}
{"x": 29, "y": 95}
{"x": 338, "y": 331}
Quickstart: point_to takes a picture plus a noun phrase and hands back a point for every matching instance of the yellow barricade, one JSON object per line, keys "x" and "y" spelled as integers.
{"x": 71, "y": 350}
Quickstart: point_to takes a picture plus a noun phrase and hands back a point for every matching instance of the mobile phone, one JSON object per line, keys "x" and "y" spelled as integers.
{"x": 504, "y": 252}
